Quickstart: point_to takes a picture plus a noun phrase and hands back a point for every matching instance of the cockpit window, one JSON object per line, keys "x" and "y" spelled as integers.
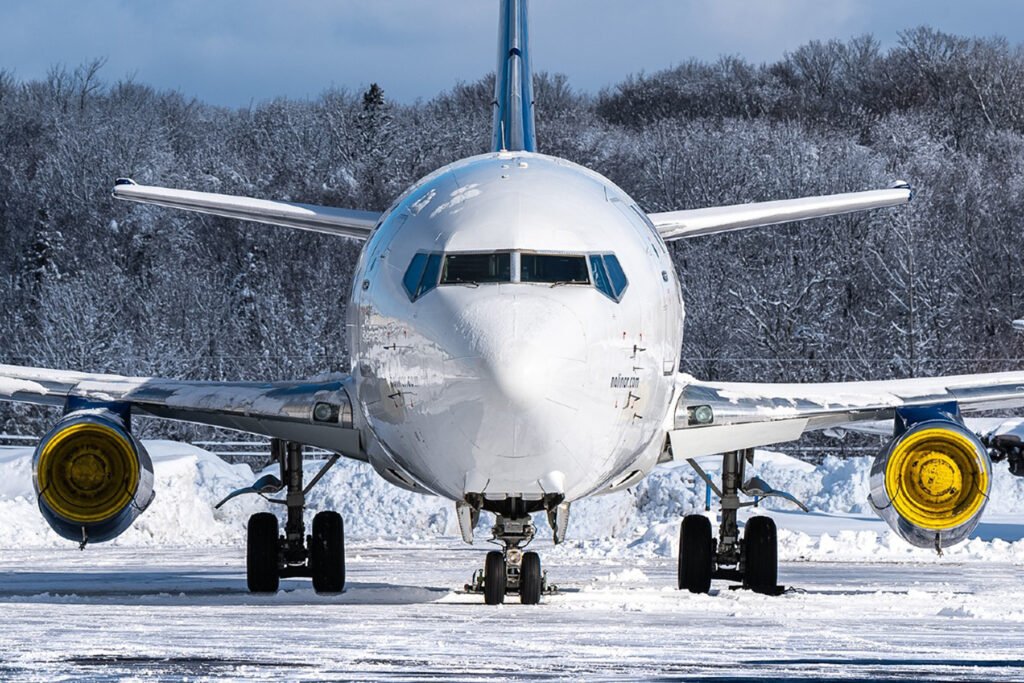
{"x": 618, "y": 278}
{"x": 429, "y": 269}
{"x": 472, "y": 269}
{"x": 421, "y": 275}
{"x": 609, "y": 278}
{"x": 554, "y": 268}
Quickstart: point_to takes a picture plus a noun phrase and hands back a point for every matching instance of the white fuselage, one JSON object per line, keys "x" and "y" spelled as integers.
{"x": 515, "y": 388}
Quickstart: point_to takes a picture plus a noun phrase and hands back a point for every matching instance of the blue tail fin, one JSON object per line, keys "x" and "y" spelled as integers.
{"x": 513, "y": 87}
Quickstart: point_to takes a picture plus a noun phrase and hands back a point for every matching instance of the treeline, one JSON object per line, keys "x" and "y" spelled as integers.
{"x": 90, "y": 283}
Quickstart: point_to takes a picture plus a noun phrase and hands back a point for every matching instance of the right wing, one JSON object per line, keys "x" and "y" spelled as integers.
{"x": 677, "y": 225}
{"x": 346, "y": 222}
{"x": 750, "y": 415}
{"x": 315, "y": 413}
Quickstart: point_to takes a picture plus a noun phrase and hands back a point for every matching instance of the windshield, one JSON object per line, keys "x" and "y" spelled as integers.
{"x": 477, "y": 268}
{"x": 609, "y": 278}
{"x": 554, "y": 268}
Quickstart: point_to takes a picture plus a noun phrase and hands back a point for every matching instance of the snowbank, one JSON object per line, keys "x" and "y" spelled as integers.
{"x": 839, "y": 527}
{"x": 190, "y": 481}
{"x": 643, "y": 521}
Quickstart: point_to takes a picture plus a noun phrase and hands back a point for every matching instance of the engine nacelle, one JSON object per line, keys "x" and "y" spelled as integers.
{"x": 91, "y": 476}
{"x": 932, "y": 482}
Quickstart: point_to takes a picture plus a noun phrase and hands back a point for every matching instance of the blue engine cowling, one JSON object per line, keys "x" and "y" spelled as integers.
{"x": 91, "y": 476}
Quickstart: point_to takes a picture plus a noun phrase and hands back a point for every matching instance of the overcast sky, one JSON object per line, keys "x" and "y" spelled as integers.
{"x": 233, "y": 52}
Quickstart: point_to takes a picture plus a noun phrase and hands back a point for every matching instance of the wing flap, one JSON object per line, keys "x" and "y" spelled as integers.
{"x": 677, "y": 225}
{"x": 325, "y": 219}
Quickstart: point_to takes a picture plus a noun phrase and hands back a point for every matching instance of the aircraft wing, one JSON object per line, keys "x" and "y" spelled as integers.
{"x": 751, "y": 415}
{"x": 316, "y": 413}
{"x": 677, "y": 225}
{"x": 345, "y": 222}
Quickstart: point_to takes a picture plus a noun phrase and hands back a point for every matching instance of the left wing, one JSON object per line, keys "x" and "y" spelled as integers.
{"x": 316, "y": 413}
{"x": 677, "y": 225}
{"x": 716, "y": 417}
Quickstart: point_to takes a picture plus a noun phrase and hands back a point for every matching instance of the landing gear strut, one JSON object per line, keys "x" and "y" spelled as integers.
{"x": 511, "y": 570}
{"x": 270, "y": 556}
{"x": 753, "y": 561}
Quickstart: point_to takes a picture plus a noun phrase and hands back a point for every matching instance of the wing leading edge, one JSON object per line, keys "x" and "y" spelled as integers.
{"x": 317, "y": 413}
{"x": 344, "y": 222}
{"x": 677, "y": 225}
{"x": 751, "y": 415}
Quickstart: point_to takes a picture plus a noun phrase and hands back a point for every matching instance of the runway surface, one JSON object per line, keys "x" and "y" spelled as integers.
{"x": 112, "y": 613}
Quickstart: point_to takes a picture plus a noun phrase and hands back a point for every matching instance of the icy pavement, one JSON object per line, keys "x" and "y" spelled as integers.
{"x": 113, "y": 613}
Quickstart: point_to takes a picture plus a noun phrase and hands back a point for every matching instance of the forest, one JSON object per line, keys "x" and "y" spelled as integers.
{"x": 94, "y": 284}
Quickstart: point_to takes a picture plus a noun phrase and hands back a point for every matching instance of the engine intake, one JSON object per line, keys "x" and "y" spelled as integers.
{"x": 932, "y": 482}
{"x": 91, "y": 476}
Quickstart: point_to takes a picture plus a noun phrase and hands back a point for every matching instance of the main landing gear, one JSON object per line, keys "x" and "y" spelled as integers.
{"x": 270, "y": 556}
{"x": 752, "y": 560}
{"x": 513, "y": 570}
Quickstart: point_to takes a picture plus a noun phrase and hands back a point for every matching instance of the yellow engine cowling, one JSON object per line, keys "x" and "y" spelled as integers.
{"x": 932, "y": 482}
{"x": 92, "y": 477}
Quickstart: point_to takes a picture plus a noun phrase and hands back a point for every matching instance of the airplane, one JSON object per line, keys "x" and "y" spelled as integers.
{"x": 515, "y": 323}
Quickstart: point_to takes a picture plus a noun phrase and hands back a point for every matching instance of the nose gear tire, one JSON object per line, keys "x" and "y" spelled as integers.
{"x": 530, "y": 584}
{"x": 494, "y": 578}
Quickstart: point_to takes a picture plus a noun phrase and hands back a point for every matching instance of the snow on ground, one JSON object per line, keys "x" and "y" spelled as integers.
{"x": 641, "y": 522}
{"x": 167, "y": 600}
{"x": 122, "y": 613}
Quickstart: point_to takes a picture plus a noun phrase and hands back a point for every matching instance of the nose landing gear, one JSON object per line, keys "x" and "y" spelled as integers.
{"x": 511, "y": 570}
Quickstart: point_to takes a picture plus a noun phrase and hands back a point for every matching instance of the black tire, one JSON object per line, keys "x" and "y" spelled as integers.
{"x": 327, "y": 552}
{"x": 761, "y": 555}
{"x": 261, "y": 545}
{"x": 529, "y": 579}
{"x": 696, "y": 554}
{"x": 494, "y": 578}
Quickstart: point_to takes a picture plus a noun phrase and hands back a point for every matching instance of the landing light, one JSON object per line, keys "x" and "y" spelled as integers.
{"x": 324, "y": 412}
{"x": 701, "y": 415}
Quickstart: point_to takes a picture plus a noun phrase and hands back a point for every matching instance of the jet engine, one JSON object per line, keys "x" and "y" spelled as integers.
{"x": 91, "y": 476}
{"x": 932, "y": 481}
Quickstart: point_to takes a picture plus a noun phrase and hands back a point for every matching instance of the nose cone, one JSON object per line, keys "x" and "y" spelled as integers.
{"x": 524, "y": 359}
{"x": 527, "y": 350}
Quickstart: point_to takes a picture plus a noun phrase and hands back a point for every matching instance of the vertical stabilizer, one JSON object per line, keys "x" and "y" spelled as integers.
{"x": 513, "y": 87}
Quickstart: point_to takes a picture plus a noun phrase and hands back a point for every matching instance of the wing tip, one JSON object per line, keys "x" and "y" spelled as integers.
{"x": 900, "y": 184}
{"x": 121, "y": 182}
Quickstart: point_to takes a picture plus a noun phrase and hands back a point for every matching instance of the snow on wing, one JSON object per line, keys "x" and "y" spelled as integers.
{"x": 746, "y": 415}
{"x": 276, "y": 409}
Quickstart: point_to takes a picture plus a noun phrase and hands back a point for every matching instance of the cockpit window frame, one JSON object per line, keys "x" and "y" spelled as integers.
{"x": 429, "y": 269}
{"x": 603, "y": 270}
{"x": 610, "y": 280}
{"x": 512, "y": 260}
{"x": 564, "y": 254}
